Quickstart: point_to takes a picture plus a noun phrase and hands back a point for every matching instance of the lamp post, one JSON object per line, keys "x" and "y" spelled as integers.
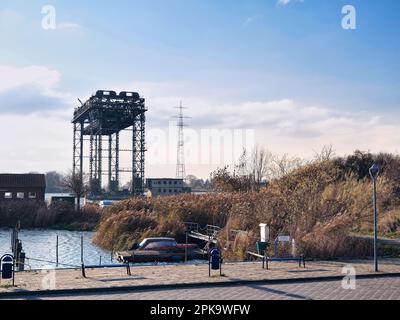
{"x": 374, "y": 172}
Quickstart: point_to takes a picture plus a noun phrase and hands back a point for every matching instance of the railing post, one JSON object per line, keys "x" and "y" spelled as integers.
{"x": 186, "y": 248}
{"x": 82, "y": 259}
{"x": 57, "y": 252}
{"x": 83, "y": 271}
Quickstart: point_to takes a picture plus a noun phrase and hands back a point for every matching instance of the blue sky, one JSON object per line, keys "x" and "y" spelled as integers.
{"x": 219, "y": 57}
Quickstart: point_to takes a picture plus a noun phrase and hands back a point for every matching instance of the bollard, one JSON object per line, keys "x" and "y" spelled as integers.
{"x": 21, "y": 261}
{"x": 19, "y": 256}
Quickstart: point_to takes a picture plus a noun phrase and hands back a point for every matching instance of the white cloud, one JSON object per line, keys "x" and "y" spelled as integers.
{"x": 34, "y": 142}
{"x": 286, "y": 2}
{"x": 283, "y": 126}
{"x": 37, "y": 76}
{"x": 29, "y": 89}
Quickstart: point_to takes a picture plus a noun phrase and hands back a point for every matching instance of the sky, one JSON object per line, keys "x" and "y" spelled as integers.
{"x": 283, "y": 74}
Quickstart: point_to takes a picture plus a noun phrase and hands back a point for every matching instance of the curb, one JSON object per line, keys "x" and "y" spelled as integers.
{"x": 108, "y": 290}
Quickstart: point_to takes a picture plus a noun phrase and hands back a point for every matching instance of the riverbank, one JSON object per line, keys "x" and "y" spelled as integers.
{"x": 168, "y": 276}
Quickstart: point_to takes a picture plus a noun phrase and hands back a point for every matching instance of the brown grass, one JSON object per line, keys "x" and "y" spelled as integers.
{"x": 319, "y": 205}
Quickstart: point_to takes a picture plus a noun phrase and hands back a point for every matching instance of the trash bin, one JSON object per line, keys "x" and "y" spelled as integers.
{"x": 215, "y": 259}
{"x": 7, "y": 266}
{"x": 262, "y": 247}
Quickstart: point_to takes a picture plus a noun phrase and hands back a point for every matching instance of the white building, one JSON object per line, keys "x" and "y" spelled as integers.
{"x": 165, "y": 187}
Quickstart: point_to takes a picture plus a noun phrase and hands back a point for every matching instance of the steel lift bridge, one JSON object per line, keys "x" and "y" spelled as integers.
{"x": 99, "y": 122}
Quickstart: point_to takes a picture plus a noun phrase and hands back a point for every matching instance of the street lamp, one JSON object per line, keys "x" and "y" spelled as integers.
{"x": 374, "y": 172}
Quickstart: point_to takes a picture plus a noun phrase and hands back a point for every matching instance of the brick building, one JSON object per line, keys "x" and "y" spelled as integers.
{"x": 17, "y": 187}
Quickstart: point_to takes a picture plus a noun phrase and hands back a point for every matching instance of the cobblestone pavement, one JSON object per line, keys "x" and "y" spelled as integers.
{"x": 366, "y": 289}
{"x": 185, "y": 274}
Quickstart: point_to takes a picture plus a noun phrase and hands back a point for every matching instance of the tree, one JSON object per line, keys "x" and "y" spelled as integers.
{"x": 283, "y": 165}
{"x": 77, "y": 183}
{"x": 359, "y": 163}
{"x": 54, "y": 182}
{"x": 224, "y": 181}
{"x": 195, "y": 183}
{"x": 261, "y": 165}
{"x": 256, "y": 167}
{"x": 326, "y": 154}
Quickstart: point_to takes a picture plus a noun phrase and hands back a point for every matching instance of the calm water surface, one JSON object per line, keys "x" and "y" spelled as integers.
{"x": 41, "y": 245}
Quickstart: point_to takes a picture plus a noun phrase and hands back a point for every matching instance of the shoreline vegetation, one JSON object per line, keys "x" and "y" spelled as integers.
{"x": 58, "y": 216}
{"x": 322, "y": 204}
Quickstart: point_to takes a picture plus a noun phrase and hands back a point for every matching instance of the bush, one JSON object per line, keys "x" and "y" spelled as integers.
{"x": 389, "y": 224}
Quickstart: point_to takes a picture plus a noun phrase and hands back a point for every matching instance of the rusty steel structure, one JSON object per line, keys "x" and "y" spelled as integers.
{"x": 99, "y": 122}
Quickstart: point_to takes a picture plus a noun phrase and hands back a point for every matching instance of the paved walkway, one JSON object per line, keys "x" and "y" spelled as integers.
{"x": 368, "y": 289}
{"x": 143, "y": 277}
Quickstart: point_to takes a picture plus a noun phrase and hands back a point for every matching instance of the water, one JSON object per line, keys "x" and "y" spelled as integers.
{"x": 41, "y": 245}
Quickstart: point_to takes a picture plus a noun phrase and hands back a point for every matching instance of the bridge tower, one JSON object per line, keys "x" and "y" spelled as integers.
{"x": 98, "y": 124}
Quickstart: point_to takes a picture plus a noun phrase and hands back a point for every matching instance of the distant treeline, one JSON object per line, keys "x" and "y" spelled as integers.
{"x": 59, "y": 215}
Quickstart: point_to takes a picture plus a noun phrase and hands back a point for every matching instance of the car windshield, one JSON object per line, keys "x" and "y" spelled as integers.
{"x": 160, "y": 244}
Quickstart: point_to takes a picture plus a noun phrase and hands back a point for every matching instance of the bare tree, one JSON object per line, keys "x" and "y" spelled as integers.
{"x": 256, "y": 167}
{"x": 283, "y": 165}
{"x": 77, "y": 184}
{"x": 242, "y": 165}
{"x": 261, "y": 165}
{"x": 327, "y": 153}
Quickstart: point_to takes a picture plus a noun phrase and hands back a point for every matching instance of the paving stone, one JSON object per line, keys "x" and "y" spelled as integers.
{"x": 194, "y": 274}
{"x": 367, "y": 290}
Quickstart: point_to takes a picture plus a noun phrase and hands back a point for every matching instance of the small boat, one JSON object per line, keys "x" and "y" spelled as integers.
{"x": 160, "y": 250}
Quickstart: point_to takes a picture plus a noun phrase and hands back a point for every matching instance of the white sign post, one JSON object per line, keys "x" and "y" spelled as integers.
{"x": 264, "y": 232}
{"x": 284, "y": 238}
